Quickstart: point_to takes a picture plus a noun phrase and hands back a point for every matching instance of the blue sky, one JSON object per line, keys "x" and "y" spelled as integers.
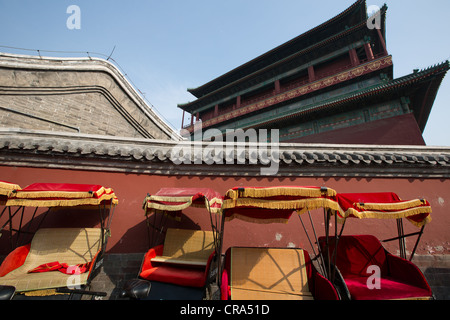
{"x": 167, "y": 46}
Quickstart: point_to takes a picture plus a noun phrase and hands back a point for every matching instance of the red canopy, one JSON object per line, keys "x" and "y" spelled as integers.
{"x": 60, "y": 194}
{"x": 6, "y": 188}
{"x": 177, "y": 199}
{"x": 275, "y": 204}
{"x": 383, "y": 205}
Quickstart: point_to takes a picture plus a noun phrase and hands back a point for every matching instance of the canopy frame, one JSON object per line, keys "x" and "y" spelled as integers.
{"x": 394, "y": 208}
{"x": 19, "y": 231}
{"x": 165, "y": 212}
{"x": 401, "y": 239}
{"x": 105, "y": 203}
{"x": 297, "y": 199}
{"x": 105, "y": 206}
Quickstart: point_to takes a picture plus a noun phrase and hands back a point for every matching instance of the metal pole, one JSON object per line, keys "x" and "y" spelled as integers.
{"x": 336, "y": 240}
{"x": 327, "y": 225}
{"x": 219, "y": 258}
{"x": 321, "y": 264}
{"x": 401, "y": 239}
{"x": 417, "y": 242}
{"x": 20, "y": 227}
{"x": 101, "y": 227}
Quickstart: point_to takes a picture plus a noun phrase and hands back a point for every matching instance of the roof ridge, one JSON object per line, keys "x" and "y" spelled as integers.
{"x": 303, "y": 35}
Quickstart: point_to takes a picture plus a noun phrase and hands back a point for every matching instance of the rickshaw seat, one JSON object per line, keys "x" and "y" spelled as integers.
{"x": 183, "y": 259}
{"x": 71, "y": 246}
{"x": 399, "y": 278}
{"x": 272, "y": 274}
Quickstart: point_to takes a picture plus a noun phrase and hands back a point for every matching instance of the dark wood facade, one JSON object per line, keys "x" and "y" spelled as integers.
{"x": 332, "y": 84}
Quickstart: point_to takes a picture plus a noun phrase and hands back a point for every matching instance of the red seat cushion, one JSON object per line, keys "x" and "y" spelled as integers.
{"x": 183, "y": 275}
{"x": 398, "y": 278}
{"x": 357, "y": 253}
{"x": 389, "y": 289}
{"x": 14, "y": 260}
{"x": 191, "y": 277}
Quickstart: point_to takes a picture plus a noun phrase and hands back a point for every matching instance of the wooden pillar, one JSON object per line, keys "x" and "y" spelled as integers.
{"x": 353, "y": 57}
{"x": 216, "y": 110}
{"x": 238, "y": 102}
{"x": 182, "y": 120}
{"x": 383, "y": 43}
{"x": 311, "y": 74}
{"x": 192, "y": 119}
{"x": 277, "y": 86}
{"x": 369, "y": 52}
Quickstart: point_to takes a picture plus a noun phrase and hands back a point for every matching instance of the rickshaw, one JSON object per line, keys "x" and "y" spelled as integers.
{"x": 6, "y": 189}
{"x": 57, "y": 262}
{"x": 362, "y": 268}
{"x": 269, "y": 273}
{"x": 178, "y": 263}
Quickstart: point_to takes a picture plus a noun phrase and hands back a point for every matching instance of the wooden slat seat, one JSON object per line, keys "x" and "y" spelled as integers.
{"x": 183, "y": 246}
{"x": 66, "y": 245}
{"x": 268, "y": 274}
{"x": 183, "y": 259}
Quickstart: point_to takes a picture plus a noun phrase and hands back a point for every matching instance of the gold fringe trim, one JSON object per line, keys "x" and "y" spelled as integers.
{"x": 419, "y": 224}
{"x": 181, "y": 199}
{"x": 279, "y": 191}
{"x": 256, "y": 220}
{"x": 163, "y": 207}
{"x": 60, "y": 202}
{"x": 407, "y": 213}
{"x": 42, "y": 293}
{"x": 390, "y": 206}
{"x": 61, "y": 194}
{"x": 148, "y": 205}
{"x": 301, "y": 204}
{"x": 169, "y": 199}
{"x": 6, "y": 189}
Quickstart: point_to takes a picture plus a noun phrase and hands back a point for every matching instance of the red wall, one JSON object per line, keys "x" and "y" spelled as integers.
{"x": 129, "y": 231}
{"x": 399, "y": 130}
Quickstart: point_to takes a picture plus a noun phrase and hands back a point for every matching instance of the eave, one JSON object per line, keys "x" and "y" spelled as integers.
{"x": 52, "y": 150}
{"x": 356, "y": 11}
{"x": 428, "y": 78}
{"x": 198, "y": 103}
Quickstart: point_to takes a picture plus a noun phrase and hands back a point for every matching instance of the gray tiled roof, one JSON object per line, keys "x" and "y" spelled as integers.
{"x": 293, "y": 159}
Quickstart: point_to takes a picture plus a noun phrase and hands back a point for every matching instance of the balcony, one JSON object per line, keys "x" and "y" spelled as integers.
{"x": 289, "y": 90}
